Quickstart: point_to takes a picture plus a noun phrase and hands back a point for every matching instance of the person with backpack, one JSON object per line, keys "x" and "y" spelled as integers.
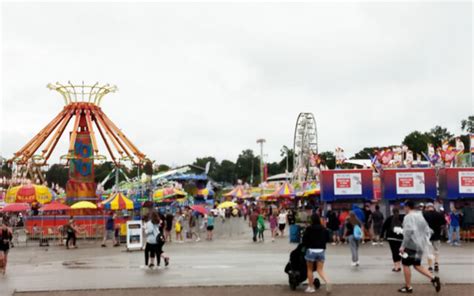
{"x": 152, "y": 231}
{"x": 376, "y": 219}
{"x": 393, "y": 232}
{"x": 353, "y": 235}
{"x": 436, "y": 222}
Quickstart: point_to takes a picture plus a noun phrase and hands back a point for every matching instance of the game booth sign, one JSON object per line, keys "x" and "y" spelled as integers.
{"x": 456, "y": 183}
{"x": 400, "y": 184}
{"x": 347, "y": 185}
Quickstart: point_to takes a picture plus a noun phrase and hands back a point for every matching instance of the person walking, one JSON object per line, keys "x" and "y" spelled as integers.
{"x": 454, "y": 228}
{"x": 376, "y": 219}
{"x": 152, "y": 231}
{"x": 333, "y": 226}
{"x": 109, "y": 232}
{"x": 169, "y": 225}
{"x": 436, "y": 222}
{"x": 282, "y": 220}
{"x": 193, "y": 226}
{"x": 71, "y": 233}
{"x": 253, "y": 223}
{"x": 353, "y": 236}
{"x": 393, "y": 232}
{"x": 261, "y": 227}
{"x": 315, "y": 239}
{"x": 178, "y": 226}
{"x": 416, "y": 240}
{"x": 366, "y": 222}
{"x": 6, "y": 237}
{"x": 342, "y": 223}
{"x": 273, "y": 225}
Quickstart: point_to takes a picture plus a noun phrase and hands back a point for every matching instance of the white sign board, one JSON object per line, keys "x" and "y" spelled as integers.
{"x": 466, "y": 182}
{"x": 348, "y": 184}
{"x": 410, "y": 183}
{"x": 134, "y": 235}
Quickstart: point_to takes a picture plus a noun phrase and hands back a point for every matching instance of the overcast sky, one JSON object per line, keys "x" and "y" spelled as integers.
{"x": 209, "y": 79}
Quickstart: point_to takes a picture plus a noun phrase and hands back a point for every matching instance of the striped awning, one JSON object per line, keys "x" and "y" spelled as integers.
{"x": 117, "y": 202}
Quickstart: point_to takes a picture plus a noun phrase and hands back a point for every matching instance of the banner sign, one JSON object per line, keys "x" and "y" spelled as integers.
{"x": 346, "y": 184}
{"x": 409, "y": 183}
{"x": 456, "y": 183}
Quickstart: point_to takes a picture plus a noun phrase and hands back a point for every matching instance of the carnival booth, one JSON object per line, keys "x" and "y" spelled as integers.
{"x": 402, "y": 184}
{"x": 456, "y": 188}
{"x": 342, "y": 188}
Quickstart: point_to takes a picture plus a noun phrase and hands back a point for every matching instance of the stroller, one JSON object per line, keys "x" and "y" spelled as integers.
{"x": 296, "y": 269}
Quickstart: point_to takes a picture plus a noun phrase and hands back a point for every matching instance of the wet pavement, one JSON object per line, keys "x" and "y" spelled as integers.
{"x": 226, "y": 261}
{"x": 340, "y": 290}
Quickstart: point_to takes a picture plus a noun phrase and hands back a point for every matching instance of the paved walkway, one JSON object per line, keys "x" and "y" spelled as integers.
{"x": 339, "y": 290}
{"x": 226, "y": 261}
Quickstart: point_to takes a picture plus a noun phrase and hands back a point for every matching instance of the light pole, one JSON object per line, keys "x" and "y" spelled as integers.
{"x": 261, "y": 141}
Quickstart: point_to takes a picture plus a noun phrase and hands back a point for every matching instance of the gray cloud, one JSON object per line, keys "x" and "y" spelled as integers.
{"x": 209, "y": 79}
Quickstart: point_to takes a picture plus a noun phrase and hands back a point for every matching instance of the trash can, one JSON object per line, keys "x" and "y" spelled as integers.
{"x": 295, "y": 233}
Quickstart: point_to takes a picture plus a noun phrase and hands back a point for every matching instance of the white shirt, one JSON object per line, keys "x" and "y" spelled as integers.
{"x": 282, "y": 218}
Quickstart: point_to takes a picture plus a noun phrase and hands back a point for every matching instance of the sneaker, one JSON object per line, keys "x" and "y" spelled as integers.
{"x": 381, "y": 244}
{"x": 448, "y": 242}
{"x": 357, "y": 263}
{"x": 374, "y": 244}
{"x": 333, "y": 244}
{"x": 310, "y": 290}
{"x": 457, "y": 244}
{"x": 328, "y": 288}
{"x": 103, "y": 245}
{"x": 167, "y": 261}
{"x": 151, "y": 266}
{"x": 406, "y": 290}
{"x": 353, "y": 263}
{"x": 430, "y": 269}
{"x": 436, "y": 268}
{"x": 198, "y": 239}
{"x": 436, "y": 283}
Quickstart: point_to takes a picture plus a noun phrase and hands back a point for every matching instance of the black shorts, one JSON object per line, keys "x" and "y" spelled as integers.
{"x": 411, "y": 259}
{"x": 210, "y": 228}
{"x": 281, "y": 227}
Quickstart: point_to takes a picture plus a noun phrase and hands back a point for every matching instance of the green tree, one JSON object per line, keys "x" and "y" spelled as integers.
{"x": 243, "y": 167}
{"x": 102, "y": 171}
{"x": 365, "y": 153}
{"x": 202, "y": 162}
{"x": 148, "y": 168}
{"x": 162, "y": 168}
{"x": 274, "y": 168}
{"x": 57, "y": 174}
{"x": 417, "y": 142}
{"x": 437, "y": 135}
{"x": 283, "y": 153}
{"x": 225, "y": 172}
{"x": 328, "y": 159}
{"x": 467, "y": 125}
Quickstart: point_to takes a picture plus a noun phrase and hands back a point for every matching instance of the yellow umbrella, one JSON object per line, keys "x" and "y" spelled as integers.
{"x": 227, "y": 204}
{"x": 83, "y": 205}
{"x": 28, "y": 194}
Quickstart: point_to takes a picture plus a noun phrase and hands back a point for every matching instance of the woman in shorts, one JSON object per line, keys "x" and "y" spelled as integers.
{"x": 315, "y": 239}
{"x": 210, "y": 225}
{"x": 5, "y": 241}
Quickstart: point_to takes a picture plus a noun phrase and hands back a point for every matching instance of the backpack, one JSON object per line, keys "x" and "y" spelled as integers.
{"x": 357, "y": 232}
{"x": 177, "y": 227}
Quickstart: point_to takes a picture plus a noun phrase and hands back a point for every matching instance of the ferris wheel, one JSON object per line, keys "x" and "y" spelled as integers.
{"x": 305, "y": 147}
